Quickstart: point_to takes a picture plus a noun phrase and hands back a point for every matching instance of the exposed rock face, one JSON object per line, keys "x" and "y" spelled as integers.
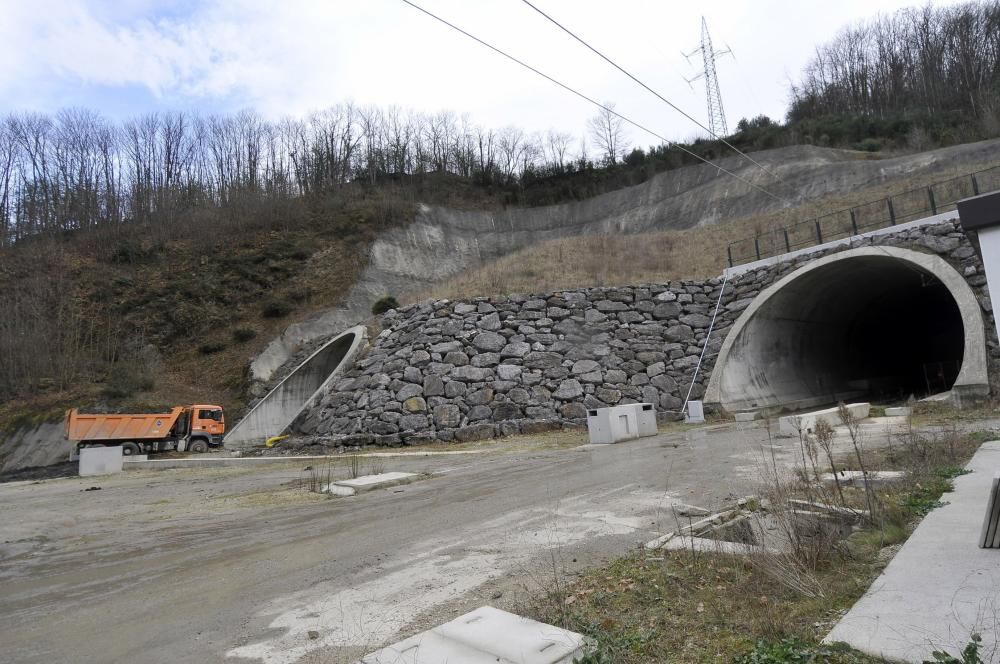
{"x": 506, "y": 364}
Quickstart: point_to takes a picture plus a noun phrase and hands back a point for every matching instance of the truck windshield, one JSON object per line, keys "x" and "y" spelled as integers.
{"x": 210, "y": 415}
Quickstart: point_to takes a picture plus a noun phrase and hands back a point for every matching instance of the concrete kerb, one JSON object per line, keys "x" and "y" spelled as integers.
{"x": 235, "y": 462}
{"x": 972, "y": 380}
{"x": 271, "y": 416}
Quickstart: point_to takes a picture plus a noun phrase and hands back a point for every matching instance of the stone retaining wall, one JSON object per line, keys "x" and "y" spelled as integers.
{"x": 502, "y": 365}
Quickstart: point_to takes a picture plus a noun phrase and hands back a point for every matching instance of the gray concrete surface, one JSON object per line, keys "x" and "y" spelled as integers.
{"x": 278, "y": 409}
{"x": 443, "y": 242}
{"x": 941, "y": 587}
{"x": 194, "y": 565}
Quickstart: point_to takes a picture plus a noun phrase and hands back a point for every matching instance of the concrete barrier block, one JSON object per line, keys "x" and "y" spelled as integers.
{"x": 748, "y": 416}
{"x": 614, "y": 424}
{"x": 100, "y": 461}
{"x": 791, "y": 425}
{"x": 900, "y": 411}
{"x": 695, "y": 413}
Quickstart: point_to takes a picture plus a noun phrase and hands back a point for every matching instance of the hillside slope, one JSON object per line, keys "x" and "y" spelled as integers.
{"x": 442, "y": 244}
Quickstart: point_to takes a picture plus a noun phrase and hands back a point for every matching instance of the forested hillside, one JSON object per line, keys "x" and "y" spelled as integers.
{"x": 155, "y": 255}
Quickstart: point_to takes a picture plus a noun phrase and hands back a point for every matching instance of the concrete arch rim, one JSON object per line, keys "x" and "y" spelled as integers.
{"x": 973, "y": 376}
{"x": 360, "y": 333}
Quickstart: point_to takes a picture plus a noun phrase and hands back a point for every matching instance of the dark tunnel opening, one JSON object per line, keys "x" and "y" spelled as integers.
{"x": 867, "y": 327}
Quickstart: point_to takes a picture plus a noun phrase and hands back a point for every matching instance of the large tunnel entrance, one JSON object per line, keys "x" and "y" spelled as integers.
{"x": 279, "y": 408}
{"x": 871, "y": 323}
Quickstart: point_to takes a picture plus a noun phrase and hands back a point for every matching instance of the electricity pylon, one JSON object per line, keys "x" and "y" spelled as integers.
{"x": 716, "y": 113}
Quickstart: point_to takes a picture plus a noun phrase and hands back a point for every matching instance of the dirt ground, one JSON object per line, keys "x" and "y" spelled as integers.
{"x": 240, "y": 564}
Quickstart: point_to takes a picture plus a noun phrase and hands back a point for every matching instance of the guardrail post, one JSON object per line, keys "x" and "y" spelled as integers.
{"x": 892, "y": 212}
{"x": 854, "y": 223}
{"x": 788, "y": 245}
{"x": 756, "y": 246}
{"x": 729, "y": 250}
{"x": 819, "y": 233}
{"x": 975, "y": 185}
{"x": 930, "y": 197}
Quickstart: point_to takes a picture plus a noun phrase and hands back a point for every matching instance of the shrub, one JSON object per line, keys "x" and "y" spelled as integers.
{"x": 276, "y": 309}
{"x": 125, "y": 380}
{"x": 384, "y": 304}
{"x": 870, "y": 145}
{"x": 243, "y": 334}
{"x": 211, "y": 347}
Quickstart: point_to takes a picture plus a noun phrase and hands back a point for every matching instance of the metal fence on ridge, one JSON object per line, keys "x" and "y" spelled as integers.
{"x": 882, "y": 213}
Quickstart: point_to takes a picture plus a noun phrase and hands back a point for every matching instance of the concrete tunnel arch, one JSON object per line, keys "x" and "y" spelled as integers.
{"x": 273, "y": 414}
{"x": 862, "y": 323}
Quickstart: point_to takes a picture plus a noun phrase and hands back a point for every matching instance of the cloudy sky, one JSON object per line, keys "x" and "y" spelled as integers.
{"x": 289, "y": 57}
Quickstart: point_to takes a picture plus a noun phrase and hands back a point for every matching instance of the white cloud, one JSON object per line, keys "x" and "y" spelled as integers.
{"x": 296, "y": 56}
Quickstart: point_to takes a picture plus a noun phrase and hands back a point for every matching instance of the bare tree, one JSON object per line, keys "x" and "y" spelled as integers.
{"x": 608, "y": 132}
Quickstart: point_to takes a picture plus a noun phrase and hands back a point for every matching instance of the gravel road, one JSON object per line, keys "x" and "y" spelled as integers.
{"x": 242, "y": 564}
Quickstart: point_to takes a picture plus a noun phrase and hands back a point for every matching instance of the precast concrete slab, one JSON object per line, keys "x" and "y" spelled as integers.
{"x": 792, "y": 425}
{"x": 372, "y": 482}
{"x": 941, "y": 587}
{"x": 273, "y": 414}
{"x": 899, "y": 411}
{"x": 875, "y": 478}
{"x": 486, "y": 635}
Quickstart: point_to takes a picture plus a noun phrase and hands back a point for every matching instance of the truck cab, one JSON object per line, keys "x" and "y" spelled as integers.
{"x": 207, "y": 419}
{"x": 207, "y": 426}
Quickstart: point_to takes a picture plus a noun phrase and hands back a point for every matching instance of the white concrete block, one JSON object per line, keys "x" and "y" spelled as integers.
{"x": 645, "y": 418}
{"x": 100, "y": 461}
{"x": 695, "y": 413}
{"x": 748, "y": 416}
{"x": 380, "y": 481}
{"x": 614, "y": 424}
{"x": 486, "y": 635}
{"x": 338, "y": 490}
{"x": 791, "y": 425}
{"x": 900, "y": 411}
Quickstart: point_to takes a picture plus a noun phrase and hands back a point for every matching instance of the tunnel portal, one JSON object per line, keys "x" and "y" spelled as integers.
{"x": 872, "y": 325}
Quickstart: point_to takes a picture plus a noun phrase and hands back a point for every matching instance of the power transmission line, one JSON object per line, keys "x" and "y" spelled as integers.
{"x": 666, "y": 101}
{"x": 667, "y": 141}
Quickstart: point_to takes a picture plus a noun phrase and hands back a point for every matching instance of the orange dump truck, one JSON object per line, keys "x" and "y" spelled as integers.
{"x": 194, "y": 428}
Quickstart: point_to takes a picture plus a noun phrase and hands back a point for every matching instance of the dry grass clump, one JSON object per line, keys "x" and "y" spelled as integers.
{"x": 768, "y": 605}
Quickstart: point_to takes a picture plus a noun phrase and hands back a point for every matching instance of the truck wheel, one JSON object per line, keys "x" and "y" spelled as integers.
{"x": 128, "y": 449}
{"x": 198, "y": 446}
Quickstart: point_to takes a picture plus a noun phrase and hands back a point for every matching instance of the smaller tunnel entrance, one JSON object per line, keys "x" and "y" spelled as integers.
{"x": 870, "y": 326}
{"x": 279, "y": 408}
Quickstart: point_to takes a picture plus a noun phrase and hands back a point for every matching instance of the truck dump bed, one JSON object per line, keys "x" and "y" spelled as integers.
{"x": 115, "y": 426}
